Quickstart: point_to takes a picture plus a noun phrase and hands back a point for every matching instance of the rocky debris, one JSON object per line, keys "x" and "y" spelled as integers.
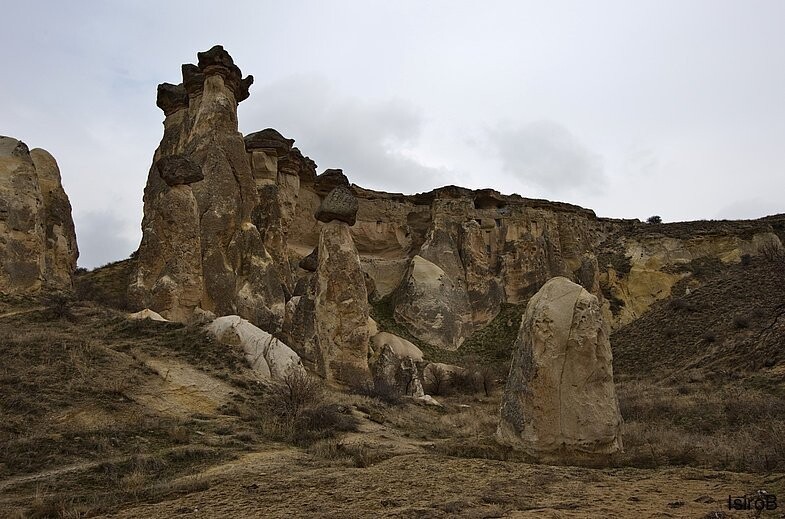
{"x": 37, "y": 240}
{"x": 560, "y": 398}
{"x": 178, "y": 170}
{"x": 270, "y": 358}
{"x": 146, "y": 313}
{"x": 200, "y": 245}
{"x": 399, "y": 346}
{"x": 311, "y": 261}
{"x": 339, "y": 204}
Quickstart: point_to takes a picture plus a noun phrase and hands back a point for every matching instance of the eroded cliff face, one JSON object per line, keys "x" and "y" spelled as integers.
{"x": 37, "y": 239}
{"x": 237, "y": 225}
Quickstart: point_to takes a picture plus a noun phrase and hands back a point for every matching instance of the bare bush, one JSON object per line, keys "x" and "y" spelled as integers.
{"x": 287, "y": 398}
{"x": 437, "y": 380}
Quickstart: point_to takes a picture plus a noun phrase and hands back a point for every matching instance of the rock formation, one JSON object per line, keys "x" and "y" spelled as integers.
{"x": 270, "y": 358}
{"x": 222, "y": 264}
{"x": 560, "y": 398}
{"x": 37, "y": 239}
{"x": 329, "y": 325}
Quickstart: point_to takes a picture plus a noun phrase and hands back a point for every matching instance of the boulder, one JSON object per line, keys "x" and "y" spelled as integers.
{"x": 147, "y": 314}
{"x": 176, "y": 170}
{"x": 266, "y": 355}
{"x": 399, "y": 346}
{"x": 560, "y": 398}
{"x": 339, "y": 204}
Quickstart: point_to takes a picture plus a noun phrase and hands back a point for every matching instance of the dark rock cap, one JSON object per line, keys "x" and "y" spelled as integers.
{"x": 171, "y": 98}
{"x": 177, "y": 170}
{"x": 193, "y": 79}
{"x": 340, "y": 204}
{"x": 311, "y": 261}
{"x": 329, "y": 180}
{"x": 269, "y": 138}
{"x": 218, "y": 61}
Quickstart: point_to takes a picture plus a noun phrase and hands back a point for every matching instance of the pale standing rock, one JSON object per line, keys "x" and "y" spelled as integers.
{"x": 266, "y": 355}
{"x": 560, "y": 398}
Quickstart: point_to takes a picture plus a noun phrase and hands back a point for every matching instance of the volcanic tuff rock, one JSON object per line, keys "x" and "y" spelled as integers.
{"x": 266, "y": 355}
{"x": 37, "y": 239}
{"x": 221, "y": 264}
{"x": 560, "y": 397}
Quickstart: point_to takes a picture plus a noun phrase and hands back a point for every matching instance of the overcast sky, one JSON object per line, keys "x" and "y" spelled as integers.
{"x": 630, "y": 108}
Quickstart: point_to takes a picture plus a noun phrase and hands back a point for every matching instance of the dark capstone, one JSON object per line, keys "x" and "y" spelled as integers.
{"x": 193, "y": 79}
{"x": 329, "y": 180}
{"x": 311, "y": 261}
{"x": 216, "y": 56}
{"x": 340, "y": 204}
{"x": 171, "y": 98}
{"x": 269, "y": 138}
{"x": 176, "y": 170}
{"x": 218, "y": 61}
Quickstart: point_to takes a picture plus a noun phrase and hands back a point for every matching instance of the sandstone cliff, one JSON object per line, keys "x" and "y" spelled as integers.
{"x": 37, "y": 239}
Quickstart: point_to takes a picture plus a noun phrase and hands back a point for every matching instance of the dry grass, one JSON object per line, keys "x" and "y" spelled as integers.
{"x": 730, "y": 428}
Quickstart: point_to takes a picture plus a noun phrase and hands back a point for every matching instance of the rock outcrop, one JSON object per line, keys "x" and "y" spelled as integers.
{"x": 560, "y": 398}
{"x": 270, "y": 358}
{"x": 202, "y": 192}
{"x": 329, "y": 326}
{"x": 37, "y": 239}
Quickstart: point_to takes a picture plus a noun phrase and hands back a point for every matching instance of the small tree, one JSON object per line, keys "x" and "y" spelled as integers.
{"x": 654, "y": 219}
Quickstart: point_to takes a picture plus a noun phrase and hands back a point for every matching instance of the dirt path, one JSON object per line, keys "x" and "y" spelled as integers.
{"x": 21, "y": 312}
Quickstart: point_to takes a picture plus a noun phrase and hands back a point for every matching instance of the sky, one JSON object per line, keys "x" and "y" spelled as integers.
{"x": 666, "y": 107}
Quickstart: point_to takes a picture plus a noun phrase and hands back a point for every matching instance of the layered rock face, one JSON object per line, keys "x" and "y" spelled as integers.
{"x": 560, "y": 397}
{"x": 201, "y": 197}
{"x": 37, "y": 239}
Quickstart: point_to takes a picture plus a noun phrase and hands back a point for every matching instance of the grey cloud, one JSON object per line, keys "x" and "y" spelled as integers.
{"x": 103, "y": 236}
{"x": 368, "y": 139}
{"x": 548, "y": 155}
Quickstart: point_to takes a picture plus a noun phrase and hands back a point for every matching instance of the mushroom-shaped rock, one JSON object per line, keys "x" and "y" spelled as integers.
{"x": 329, "y": 180}
{"x": 267, "y": 356}
{"x": 560, "y": 399}
{"x": 177, "y": 170}
{"x": 269, "y": 138}
{"x": 339, "y": 204}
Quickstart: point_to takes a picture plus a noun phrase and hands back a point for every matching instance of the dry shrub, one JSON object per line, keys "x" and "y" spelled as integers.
{"x": 437, "y": 381}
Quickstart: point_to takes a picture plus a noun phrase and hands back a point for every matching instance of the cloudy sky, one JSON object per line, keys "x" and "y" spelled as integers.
{"x": 666, "y": 107}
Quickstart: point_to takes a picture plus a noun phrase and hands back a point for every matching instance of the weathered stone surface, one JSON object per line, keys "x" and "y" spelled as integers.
{"x": 169, "y": 277}
{"x": 37, "y": 241}
{"x": 171, "y": 98}
{"x": 60, "y": 248}
{"x": 394, "y": 372}
{"x": 399, "y": 346}
{"x": 339, "y": 204}
{"x": 560, "y": 398}
{"x": 146, "y": 314}
{"x": 341, "y": 306}
{"x": 177, "y": 170}
{"x": 311, "y": 261}
{"x": 432, "y": 305}
{"x": 228, "y": 270}
{"x": 270, "y": 358}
